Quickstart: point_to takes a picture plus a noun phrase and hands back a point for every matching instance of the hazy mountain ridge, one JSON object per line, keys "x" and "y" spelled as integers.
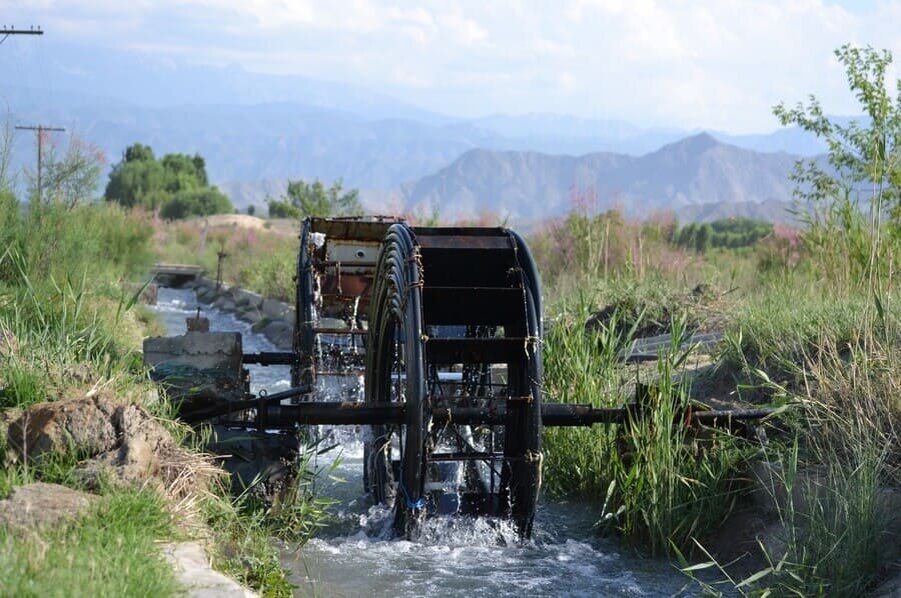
{"x": 698, "y": 170}
{"x": 258, "y": 130}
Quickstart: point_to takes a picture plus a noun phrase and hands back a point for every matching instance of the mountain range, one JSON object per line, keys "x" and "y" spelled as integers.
{"x": 256, "y": 131}
{"x": 527, "y": 186}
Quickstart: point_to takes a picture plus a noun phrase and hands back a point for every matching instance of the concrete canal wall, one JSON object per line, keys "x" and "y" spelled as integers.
{"x": 273, "y": 319}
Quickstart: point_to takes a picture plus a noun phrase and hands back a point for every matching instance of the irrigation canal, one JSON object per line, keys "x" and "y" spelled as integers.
{"x": 455, "y": 556}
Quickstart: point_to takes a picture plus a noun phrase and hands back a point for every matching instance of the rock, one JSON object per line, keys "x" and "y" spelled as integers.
{"x": 144, "y": 444}
{"x": 275, "y": 309}
{"x": 249, "y": 298}
{"x": 197, "y": 577}
{"x": 81, "y": 425}
{"x": 205, "y": 295}
{"x": 251, "y": 316}
{"x": 122, "y": 443}
{"x": 280, "y": 333}
{"x": 40, "y": 504}
{"x": 203, "y": 284}
{"x": 261, "y": 323}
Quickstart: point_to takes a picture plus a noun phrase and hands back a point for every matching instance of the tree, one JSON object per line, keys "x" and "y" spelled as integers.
{"x": 315, "y": 199}
{"x": 702, "y": 238}
{"x": 74, "y": 178}
{"x": 178, "y": 179}
{"x": 864, "y": 161}
{"x": 282, "y": 209}
{"x": 251, "y": 210}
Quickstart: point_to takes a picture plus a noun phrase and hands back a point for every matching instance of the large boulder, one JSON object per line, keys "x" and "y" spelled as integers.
{"x": 60, "y": 427}
{"x": 119, "y": 442}
{"x": 144, "y": 446}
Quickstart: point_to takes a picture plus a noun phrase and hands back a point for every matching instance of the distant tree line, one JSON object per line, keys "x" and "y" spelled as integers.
{"x": 176, "y": 185}
{"x": 731, "y": 233}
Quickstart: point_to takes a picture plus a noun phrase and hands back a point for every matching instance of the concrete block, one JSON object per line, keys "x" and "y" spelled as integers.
{"x": 202, "y": 350}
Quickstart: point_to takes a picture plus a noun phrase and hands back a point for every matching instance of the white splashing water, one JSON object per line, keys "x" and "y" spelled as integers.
{"x": 454, "y": 556}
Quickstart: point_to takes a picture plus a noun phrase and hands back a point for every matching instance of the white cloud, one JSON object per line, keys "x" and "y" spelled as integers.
{"x": 712, "y": 63}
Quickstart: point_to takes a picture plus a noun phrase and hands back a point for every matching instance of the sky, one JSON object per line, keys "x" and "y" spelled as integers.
{"x": 715, "y": 64}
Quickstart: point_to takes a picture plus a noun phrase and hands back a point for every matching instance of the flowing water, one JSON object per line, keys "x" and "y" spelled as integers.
{"x": 455, "y": 556}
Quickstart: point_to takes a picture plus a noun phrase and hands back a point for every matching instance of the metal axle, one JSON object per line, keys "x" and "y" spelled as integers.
{"x": 360, "y": 414}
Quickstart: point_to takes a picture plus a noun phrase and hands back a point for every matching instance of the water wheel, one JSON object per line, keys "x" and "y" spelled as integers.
{"x": 454, "y": 323}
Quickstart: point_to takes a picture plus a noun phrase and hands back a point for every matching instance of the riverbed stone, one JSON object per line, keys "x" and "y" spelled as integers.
{"x": 39, "y": 505}
{"x": 204, "y": 283}
{"x": 275, "y": 309}
{"x": 279, "y": 333}
{"x": 247, "y": 298}
{"x": 261, "y": 323}
{"x": 251, "y": 316}
{"x": 225, "y": 303}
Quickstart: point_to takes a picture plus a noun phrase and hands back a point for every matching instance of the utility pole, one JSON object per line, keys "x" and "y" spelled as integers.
{"x": 7, "y": 31}
{"x": 40, "y": 130}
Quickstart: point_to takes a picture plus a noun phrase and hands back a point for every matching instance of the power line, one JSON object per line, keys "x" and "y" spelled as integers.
{"x": 7, "y": 31}
{"x": 40, "y": 130}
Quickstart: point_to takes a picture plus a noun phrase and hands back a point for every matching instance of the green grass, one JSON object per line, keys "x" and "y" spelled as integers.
{"x": 66, "y": 327}
{"x": 263, "y": 261}
{"x": 841, "y": 463}
{"x": 112, "y": 551}
{"x": 777, "y": 328}
{"x": 660, "y": 484}
{"x": 802, "y": 330}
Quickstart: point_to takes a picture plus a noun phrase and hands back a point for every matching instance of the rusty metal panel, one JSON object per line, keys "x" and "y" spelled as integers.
{"x": 464, "y": 242}
{"x": 348, "y": 285}
{"x": 362, "y": 228}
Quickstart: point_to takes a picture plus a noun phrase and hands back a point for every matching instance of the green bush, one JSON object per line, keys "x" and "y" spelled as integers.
{"x": 196, "y": 202}
{"x": 177, "y": 184}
